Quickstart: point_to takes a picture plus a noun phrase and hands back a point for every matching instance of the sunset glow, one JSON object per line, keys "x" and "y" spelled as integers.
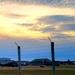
{"x": 21, "y": 21}
{"x": 31, "y": 22}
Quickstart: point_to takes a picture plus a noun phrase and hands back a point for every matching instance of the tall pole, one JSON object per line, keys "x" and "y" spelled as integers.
{"x": 53, "y": 57}
{"x": 19, "y": 59}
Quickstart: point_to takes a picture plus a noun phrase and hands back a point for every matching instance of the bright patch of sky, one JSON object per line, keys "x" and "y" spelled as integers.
{"x": 28, "y": 21}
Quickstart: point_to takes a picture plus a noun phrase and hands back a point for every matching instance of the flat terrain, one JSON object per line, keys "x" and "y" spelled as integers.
{"x": 65, "y": 67}
{"x": 37, "y": 70}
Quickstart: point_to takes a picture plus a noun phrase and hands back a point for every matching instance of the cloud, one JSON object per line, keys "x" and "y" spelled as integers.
{"x": 48, "y": 29}
{"x": 31, "y": 20}
{"x": 13, "y": 15}
{"x": 58, "y": 22}
{"x": 55, "y": 3}
{"x": 60, "y": 36}
{"x": 62, "y": 18}
{"x": 56, "y": 19}
{"x": 68, "y": 27}
{"x": 24, "y": 24}
{"x": 65, "y": 31}
{"x": 69, "y": 33}
{"x": 63, "y": 3}
{"x": 61, "y": 26}
{"x": 36, "y": 19}
{"x": 30, "y": 1}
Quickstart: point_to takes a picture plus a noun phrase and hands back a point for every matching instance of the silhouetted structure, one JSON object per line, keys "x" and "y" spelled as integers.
{"x": 5, "y": 60}
{"x": 39, "y": 62}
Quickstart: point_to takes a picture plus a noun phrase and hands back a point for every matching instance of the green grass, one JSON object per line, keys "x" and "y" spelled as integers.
{"x": 37, "y": 72}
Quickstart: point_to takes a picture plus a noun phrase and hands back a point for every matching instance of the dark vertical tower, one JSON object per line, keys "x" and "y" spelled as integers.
{"x": 19, "y": 61}
{"x": 53, "y": 57}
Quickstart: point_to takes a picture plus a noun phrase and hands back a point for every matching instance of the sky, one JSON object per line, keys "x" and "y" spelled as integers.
{"x": 29, "y": 23}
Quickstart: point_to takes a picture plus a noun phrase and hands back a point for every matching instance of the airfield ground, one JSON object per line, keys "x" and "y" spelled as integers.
{"x": 37, "y": 70}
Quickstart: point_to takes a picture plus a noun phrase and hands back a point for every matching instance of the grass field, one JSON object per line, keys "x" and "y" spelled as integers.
{"x": 37, "y": 72}
{"x": 28, "y": 70}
